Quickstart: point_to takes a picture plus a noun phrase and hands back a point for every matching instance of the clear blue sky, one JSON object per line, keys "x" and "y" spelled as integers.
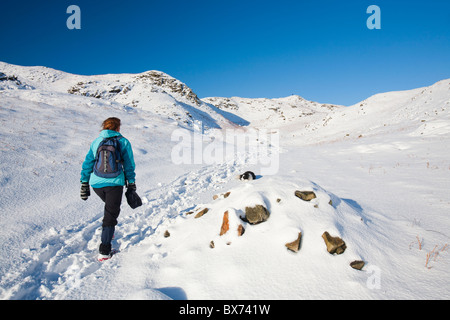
{"x": 320, "y": 50}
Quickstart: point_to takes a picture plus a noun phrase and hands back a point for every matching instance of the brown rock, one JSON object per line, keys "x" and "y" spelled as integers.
{"x": 357, "y": 264}
{"x": 295, "y": 245}
{"x": 166, "y": 234}
{"x": 223, "y": 195}
{"x": 256, "y": 214}
{"x": 334, "y": 244}
{"x": 225, "y": 224}
{"x": 240, "y": 230}
{"x": 201, "y": 213}
{"x": 305, "y": 195}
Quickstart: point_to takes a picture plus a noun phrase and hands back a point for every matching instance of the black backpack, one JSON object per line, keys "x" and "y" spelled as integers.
{"x": 108, "y": 161}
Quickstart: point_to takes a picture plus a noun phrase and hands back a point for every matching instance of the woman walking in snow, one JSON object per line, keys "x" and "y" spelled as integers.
{"x": 108, "y": 166}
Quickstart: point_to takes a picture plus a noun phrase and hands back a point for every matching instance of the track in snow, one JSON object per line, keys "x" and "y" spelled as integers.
{"x": 65, "y": 257}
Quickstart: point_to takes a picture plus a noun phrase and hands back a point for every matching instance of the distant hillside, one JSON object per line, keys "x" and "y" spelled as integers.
{"x": 419, "y": 112}
{"x": 152, "y": 91}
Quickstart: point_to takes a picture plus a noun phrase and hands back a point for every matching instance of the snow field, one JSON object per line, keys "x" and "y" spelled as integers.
{"x": 383, "y": 164}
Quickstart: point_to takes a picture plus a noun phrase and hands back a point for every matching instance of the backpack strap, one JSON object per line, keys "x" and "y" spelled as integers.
{"x": 120, "y": 148}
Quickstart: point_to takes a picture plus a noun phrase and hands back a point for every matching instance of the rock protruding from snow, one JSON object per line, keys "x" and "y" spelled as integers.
{"x": 201, "y": 213}
{"x": 334, "y": 244}
{"x": 225, "y": 224}
{"x": 357, "y": 264}
{"x": 165, "y": 81}
{"x": 257, "y": 205}
{"x": 295, "y": 245}
{"x": 8, "y": 82}
{"x": 305, "y": 195}
{"x": 256, "y": 214}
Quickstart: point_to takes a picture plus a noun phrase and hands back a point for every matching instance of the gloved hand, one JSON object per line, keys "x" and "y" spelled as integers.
{"x": 132, "y": 186}
{"x": 85, "y": 190}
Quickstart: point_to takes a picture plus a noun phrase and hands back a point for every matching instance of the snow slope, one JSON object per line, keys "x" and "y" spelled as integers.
{"x": 383, "y": 163}
{"x": 152, "y": 91}
{"x": 421, "y": 109}
{"x": 272, "y": 113}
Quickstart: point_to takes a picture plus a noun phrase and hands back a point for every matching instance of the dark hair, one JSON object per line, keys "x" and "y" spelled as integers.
{"x": 111, "y": 124}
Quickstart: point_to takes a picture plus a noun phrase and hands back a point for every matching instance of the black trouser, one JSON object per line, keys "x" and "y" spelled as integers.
{"x": 112, "y": 197}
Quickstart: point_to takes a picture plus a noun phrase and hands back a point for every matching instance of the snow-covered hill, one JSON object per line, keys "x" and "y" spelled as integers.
{"x": 423, "y": 110}
{"x": 272, "y": 113}
{"x": 152, "y": 91}
{"x": 380, "y": 171}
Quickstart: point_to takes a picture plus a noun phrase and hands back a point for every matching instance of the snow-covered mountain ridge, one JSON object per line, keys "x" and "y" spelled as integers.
{"x": 161, "y": 94}
{"x": 153, "y": 91}
{"x": 264, "y": 112}
{"x": 164, "y": 95}
{"x": 420, "y": 110}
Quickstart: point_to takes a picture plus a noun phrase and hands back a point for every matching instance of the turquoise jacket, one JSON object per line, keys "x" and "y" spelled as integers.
{"x": 87, "y": 174}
